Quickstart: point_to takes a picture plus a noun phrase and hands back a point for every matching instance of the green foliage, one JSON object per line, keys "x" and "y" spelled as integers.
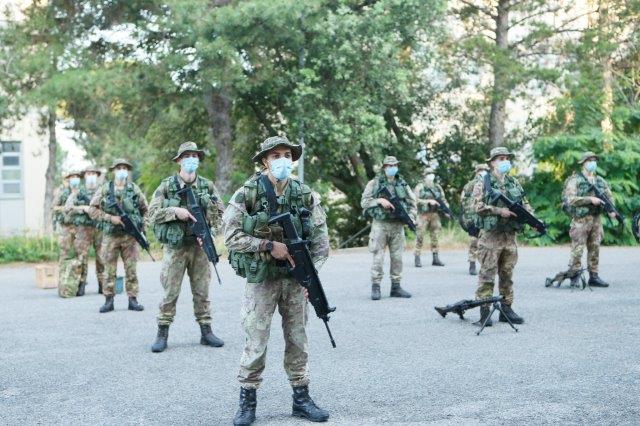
{"x": 28, "y": 249}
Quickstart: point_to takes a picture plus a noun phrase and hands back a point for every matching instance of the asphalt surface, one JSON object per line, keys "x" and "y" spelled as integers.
{"x": 576, "y": 360}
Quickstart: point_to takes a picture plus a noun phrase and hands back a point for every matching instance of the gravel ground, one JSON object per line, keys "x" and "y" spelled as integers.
{"x": 575, "y": 361}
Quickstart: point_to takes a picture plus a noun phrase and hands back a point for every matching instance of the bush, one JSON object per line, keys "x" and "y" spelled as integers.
{"x": 28, "y": 249}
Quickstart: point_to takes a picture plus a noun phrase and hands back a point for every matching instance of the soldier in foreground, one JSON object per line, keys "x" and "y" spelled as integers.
{"x": 386, "y": 229}
{"x": 257, "y": 252}
{"x": 182, "y": 252}
{"x": 497, "y": 249}
{"x": 580, "y": 202}
{"x": 467, "y": 203}
{"x": 116, "y": 242}
{"x": 428, "y": 192}
{"x": 92, "y": 234}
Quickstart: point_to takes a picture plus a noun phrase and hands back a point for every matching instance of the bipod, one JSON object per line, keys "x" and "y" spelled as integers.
{"x": 496, "y": 307}
{"x": 583, "y": 281}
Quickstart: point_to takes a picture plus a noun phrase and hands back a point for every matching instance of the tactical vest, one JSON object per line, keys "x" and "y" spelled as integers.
{"x": 177, "y": 232}
{"x": 127, "y": 199}
{"x": 83, "y": 199}
{"x": 380, "y": 213}
{"x": 297, "y": 199}
{"x": 58, "y": 216}
{"x": 584, "y": 190}
{"x": 512, "y": 190}
{"x": 429, "y": 193}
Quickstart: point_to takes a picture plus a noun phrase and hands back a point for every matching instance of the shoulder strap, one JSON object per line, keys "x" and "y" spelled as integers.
{"x": 270, "y": 193}
{"x": 112, "y": 194}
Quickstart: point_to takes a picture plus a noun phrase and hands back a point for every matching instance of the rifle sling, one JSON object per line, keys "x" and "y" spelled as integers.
{"x": 270, "y": 193}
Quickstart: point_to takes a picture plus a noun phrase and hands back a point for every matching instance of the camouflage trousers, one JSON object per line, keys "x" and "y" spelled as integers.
{"x": 498, "y": 254}
{"x": 585, "y": 232}
{"x": 473, "y": 249}
{"x": 74, "y": 252}
{"x": 258, "y": 306}
{"x": 385, "y": 234}
{"x": 430, "y": 221}
{"x": 126, "y": 247}
{"x": 93, "y": 238}
{"x": 189, "y": 258}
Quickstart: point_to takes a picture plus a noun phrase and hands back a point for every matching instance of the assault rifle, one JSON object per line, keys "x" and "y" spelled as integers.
{"x": 200, "y": 228}
{"x": 607, "y": 204}
{"x": 303, "y": 270}
{"x": 460, "y": 307}
{"x": 399, "y": 211}
{"x": 567, "y": 275}
{"x": 128, "y": 225}
{"x": 471, "y": 229}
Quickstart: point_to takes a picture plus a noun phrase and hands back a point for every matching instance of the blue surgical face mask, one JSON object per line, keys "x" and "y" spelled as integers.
{"x": 74, "y": 182}
{"x": 391, "y": 171}
{"x": 281, "y": 168}
{"x": 122, "y": 174}
{"x": 591, "y": 166}
{"x": 190, "y": 164}
{"x": 504, "y": 167}
{"x": 431, "y": 177}
{"x": 91, "y": 180}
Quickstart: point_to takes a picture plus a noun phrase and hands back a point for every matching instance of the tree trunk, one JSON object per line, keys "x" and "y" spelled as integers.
{"x": 51, "y": 172}
{"x": 218, "y": 104}
{"x": 499, "y": 93}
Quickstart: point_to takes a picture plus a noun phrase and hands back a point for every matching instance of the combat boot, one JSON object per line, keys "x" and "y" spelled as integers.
{"x": 81, "y": 287}
{"x": 418, "y": 261}
{"x": 397, "y": 291}
{"x": 161, "y": 339}
{"x": 596, "y": 281}
{"x": 375, "y": 292}
{"x": 436, "y": 260}
{"x": 134, "y": 305}
{"x": 208, "y": 338}
{"x": 472, "y": 268}
{"x": 108, "y": 305}
{"x": 485, "y": 311}
{"x": 508, "y": 313}
{"x": 303, "y": 406}
{"x": 246, "y": 413}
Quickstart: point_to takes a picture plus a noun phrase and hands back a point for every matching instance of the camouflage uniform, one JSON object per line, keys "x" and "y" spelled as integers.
{"x": 183, "y": 253}
{"x": 93, "y": 237}
{"x": 468, "y": 211}
{"x": 428, "y": 216}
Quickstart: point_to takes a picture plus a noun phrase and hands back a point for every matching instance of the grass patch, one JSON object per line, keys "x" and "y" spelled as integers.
{"x": 22, "y": 248}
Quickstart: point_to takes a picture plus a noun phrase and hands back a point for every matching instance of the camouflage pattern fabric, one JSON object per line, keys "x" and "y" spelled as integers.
{"x": 88, "y": 237}
{"x": 473, "y": 249}
{"x": 386, "y": 234}
{"x": 498, "y": 254}
{"x": 585, "y": 232}
{"x": 431, "y": 222}
{"x": 74, "y": 252}
{"x": 258, "y": 305}
{"x": 369, "y": 199}
{"x": 126, "y": 247}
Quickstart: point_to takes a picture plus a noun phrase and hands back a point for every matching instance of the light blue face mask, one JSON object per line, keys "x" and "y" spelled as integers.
{"x": 391, "y": 171}
{"x": 74, "y": 182}
{"x": 122, "y": 174}
{"x": 91, "y": 180}
{"x": 281, "y": 168}
{"x": 591, "y": 166}
{"x": 504, "y": 167}
{"x": 190, "y": 164}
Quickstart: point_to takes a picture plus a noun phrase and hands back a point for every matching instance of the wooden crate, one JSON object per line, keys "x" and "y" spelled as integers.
{"x": 47, "y": 276}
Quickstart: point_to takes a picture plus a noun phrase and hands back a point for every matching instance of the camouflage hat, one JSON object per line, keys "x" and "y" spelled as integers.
{"x": 275, "y": 141}
{"x": 500, "y": 150}
{"x": 390, "y": 160}
{"x": 586, "y": 156}
{"x": 120, "y": 161}
{"x": 92, "y": 169}
{"x": 70, "y": 173}
{"x": 189, "y": 147}
{"x": 481, "y": 166}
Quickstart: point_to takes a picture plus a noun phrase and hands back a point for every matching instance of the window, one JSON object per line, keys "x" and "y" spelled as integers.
{"x": 10, "y": 169}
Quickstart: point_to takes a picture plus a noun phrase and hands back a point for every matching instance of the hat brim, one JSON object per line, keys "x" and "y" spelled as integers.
{"x": 92, "y": 171}
{"x": 582, "y": 161}
{"x": 129, "y": 166}
{"x": 296, "y": 152}
{"x": 200, "y": 153}
{"x": 510, "y": 155}
{"x": 395, "y": 163}
{"x": 68, "y": 175}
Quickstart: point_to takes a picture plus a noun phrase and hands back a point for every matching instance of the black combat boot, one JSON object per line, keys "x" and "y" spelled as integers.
{"x": 134, "y": 305}
{"x": 484, "y": 314}
{"x": 99, "y": 288}
{"x": 418, "y": 261}
{"x": 596, "y": 281}
{"x": 246, "y": 413}
{"x": 397, "y": 291}
{"x": 108, "y": 305}
{"x": 375, "y": 291}
{"x": 508, "y": 313}
{"x": 436, "y": 260}
{"x": 208, "y": 338}
{"x": 81, "y": 286}
{"x": 161, "y": 339}
{"x": 303, "y": 406}
{"x": 472, "y": 268}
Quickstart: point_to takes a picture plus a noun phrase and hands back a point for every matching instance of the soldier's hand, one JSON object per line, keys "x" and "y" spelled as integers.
{"x": 385, "y": 203}
{"x": 596, "y": 201}
{"x": 305, "y": 292}
{"x": 612, "y": 215}
{"x": 183, "y": 214}
{"x": 433, "y": 203}
{"x": 506, "y": 213}
{"x": 115, "y": 220}
{"x": 281, "y": 252}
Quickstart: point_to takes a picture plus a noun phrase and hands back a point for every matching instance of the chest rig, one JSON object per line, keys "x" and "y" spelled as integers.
{"x": 128, "y": 199}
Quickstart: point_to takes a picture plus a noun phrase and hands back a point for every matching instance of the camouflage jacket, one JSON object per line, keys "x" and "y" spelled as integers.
{"x": 135, "y": 205}
{"x": 370, "y": 197}
{"x": 424, "y": 192}
{"x": 576, "y": 196}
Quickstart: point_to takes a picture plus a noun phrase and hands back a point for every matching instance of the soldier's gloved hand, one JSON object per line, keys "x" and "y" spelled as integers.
{"x": 115, "y": 220}
{"x": 183, "y": 214}
{"x": 596, "y": 201}
{"x": 433, "y": 203}
{"x": 506, "y": 213}
{"x": 280, "y": 252}
{"x": 385, "y": 203}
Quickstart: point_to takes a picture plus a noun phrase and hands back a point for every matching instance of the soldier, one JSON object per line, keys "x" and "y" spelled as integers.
{"x": 116, "y": 242}
{"x": 92, "y": 234}
{"x": 427, "y": 193}
{"x": 585, "y": 209}
{"x": 386, "y": 230}
{"x": 182, "y": 252}
{"x": 497, "y": 249}
{"x": 466, "y": 201}
{"x": 257, "y": 252}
